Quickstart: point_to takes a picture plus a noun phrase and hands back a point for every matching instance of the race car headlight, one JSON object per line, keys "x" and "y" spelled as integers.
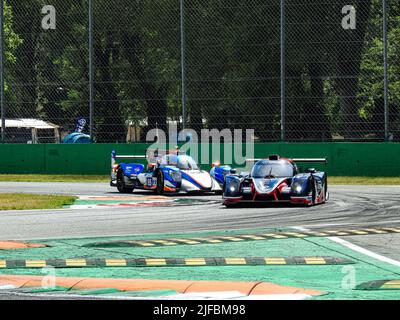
{"x": 233, "y": 186}
{"x": 175, "y": 175}
{"x": 297, "y": 187}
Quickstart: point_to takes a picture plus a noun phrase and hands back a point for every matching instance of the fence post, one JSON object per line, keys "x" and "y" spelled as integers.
{"x": 385, "y": 67}
{"x": 91, "y": 87}
{"x": 183, "y": 63}
{"x": 3, "y": 112}
{"x": 282, "y": 76}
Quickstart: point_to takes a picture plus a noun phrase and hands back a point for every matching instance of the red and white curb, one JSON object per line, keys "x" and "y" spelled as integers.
{"x": 101, "y": 202}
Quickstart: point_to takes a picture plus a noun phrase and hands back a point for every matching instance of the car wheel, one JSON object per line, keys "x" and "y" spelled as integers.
{"x": 313, "y": 192}
{"x": 121, "y": 186}
{"x": 326, "y": 195}
{"x": 160, "y": 183}
{"x": 223, "y": 187}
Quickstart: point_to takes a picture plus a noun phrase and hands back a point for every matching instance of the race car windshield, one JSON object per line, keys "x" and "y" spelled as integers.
{"x": 278, "y": 169}
{"x": 181, "y": 162}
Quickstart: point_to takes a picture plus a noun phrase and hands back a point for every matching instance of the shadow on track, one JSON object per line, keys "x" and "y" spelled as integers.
{"x": 169, "y": 194}
{"x": 271, "y": 205}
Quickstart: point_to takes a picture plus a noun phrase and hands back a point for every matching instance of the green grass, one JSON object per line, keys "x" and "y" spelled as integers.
{"x": 364, "y": 181}
{"x": 52, "y": 178}
{"x": 327, "y": 278}
{"x": 29, "y": 201}
{"x": 106, "y": 179}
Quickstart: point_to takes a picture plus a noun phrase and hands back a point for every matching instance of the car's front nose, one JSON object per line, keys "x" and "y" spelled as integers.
{"x": 196, "y": 181}
{"x": 266, "y": 186}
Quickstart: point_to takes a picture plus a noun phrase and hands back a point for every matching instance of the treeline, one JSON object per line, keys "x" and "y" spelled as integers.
{"x": 334, "y": 76}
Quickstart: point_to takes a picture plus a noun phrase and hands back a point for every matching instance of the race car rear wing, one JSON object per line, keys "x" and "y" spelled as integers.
{"x": 304, "y": 160}
{"x": 115, "y": 157}
{"x": 151, "y": 155}
{"x": 129, "y": 157}
{"x": 311, "y": 160}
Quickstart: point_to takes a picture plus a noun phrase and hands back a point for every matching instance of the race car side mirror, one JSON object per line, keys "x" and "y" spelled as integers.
{"x": 233, "y": 171}
{"x": 311, "y": 170}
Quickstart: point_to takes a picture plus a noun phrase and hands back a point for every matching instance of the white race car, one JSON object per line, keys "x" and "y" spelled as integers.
{"x": 193, "y": 178}
{"x": 172, "y": 172}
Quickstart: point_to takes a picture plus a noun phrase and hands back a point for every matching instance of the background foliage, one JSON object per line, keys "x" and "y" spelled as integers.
{"x": 334, "y": 77}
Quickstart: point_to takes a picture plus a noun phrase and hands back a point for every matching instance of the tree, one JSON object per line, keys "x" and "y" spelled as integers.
{"x": 348, "y": 70}
{"x": 370, "y": 97}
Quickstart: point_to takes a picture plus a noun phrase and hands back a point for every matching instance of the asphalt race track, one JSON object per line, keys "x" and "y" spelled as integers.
{"x": 348, "y": 207}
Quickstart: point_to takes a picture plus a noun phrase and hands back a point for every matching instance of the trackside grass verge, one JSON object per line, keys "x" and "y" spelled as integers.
{"x": 52, "y": 178}
{"x": 31, "y": 202}
{"x": 388, "y": 181}
{"x": 106, "y": 179}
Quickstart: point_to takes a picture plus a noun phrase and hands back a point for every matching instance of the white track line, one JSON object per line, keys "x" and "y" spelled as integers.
{"x": 358, "y": 249}
{"x": 341, "y": 224}
{"x": 7, "y": 287}
{"x": 366, "y": 252}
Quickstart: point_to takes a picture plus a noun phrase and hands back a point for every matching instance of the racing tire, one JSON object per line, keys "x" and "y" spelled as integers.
{"x": 326, "y": 194}
{"x": 160, "y": 183}
{"x": 121, "y": 186}
{"x": 313, "y": 192}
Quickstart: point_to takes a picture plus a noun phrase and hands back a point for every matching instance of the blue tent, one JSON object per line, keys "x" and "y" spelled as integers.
{"x": 77, "y": 137}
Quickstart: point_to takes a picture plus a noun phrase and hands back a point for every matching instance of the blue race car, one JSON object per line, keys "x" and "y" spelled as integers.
{"x": 277, "y": 179}
{"x": 173, "y": 172}
{"x": 219, "y": 172}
